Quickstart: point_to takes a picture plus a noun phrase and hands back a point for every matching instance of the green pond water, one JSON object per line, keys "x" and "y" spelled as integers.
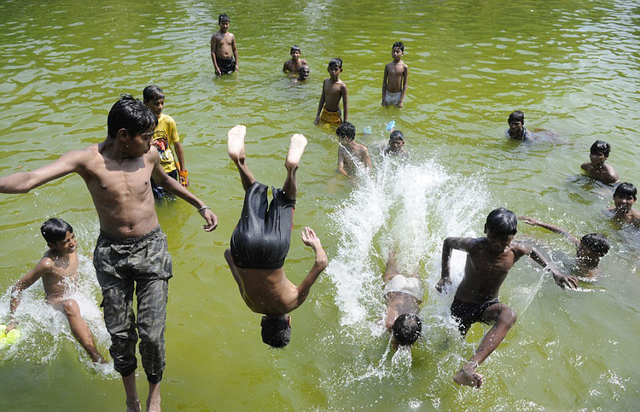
{"x": 572, "y": 67}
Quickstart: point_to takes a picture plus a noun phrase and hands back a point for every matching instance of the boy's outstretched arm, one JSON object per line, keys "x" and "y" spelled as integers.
{"x": 310, "y": 239}
{"x": 551, "y": 228}
{"x": 43, "y": 267}
{"x": 345, "y": 103}
{"x": 450, "y": 243}
{"x": 405, "y": 77}
{"x": 25, "y": 181}
{"x": 320, "y": 105}
{"x": 561, "y": 280}
{"x": 384, "y": 86}
{"x": 177, "y": 189}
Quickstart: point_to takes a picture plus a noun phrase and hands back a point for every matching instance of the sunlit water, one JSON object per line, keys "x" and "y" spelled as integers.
{"x": 572, "y": 67}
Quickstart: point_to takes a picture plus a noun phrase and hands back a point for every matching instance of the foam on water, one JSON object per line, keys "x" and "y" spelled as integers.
{"x": 45, "y": 329}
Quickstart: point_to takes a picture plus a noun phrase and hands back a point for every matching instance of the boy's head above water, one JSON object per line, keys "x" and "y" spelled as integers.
{"x": 59, "y": 235}
{"x": 223, "y": 18}
{"x": 132, "y": 115}
{"x": 295, "y": 52}
{"x": 303, "y": 72}
{"x": 396, "y": 140}
{"x": 276, "y": 330}
{"x": 600, "y": 148}
{"x": 500, "y": 228}
{"x": 516, "y": 124}
{"x": 594, "y": 243}
{"x": 346, "y": 131}
{"x": 397, "y": 50}
{"x": 625, "y": 196}
{"x": 335, "y": 68}
{"x": 406, "y": 329}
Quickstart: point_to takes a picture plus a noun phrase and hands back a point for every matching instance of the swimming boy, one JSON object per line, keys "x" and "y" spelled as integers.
{"x": 303, "y": 73}
{"x": 396, "y": 145}
{"x": 596, "y": 168}
{"x": 589, "y": 249}
{"x": 58, "y": 269}
{"x": 394, "y": 82}
{"x": 489, "y": 260}
{"x": 131, "y": 246}
{"x": 516, "y": 130}
{"x": 292, "y": 65}
{"x": 404, "y": 295}
{"x": 623, "y": 198}
{"x": 224, "y": 53}
{"x": 165, "y": 136}
{"x": 351, "y": 154}
{"x": 333, "y": 89}
{"x": 260, "y": 243}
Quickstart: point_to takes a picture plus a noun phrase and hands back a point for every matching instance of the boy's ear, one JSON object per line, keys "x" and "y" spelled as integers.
{"x": 122, "y": 134}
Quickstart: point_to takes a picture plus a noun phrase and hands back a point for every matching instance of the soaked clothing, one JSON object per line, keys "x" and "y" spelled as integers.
{"x": 226, "y": 66}
{"x": 392, "y": 98}
{"x": 120, "y": 262}
{"x": 402, "y": 284}
{"x": 469, "y": 313}
{"x": 331, "y": 117}
{"x": 262, "y": 237}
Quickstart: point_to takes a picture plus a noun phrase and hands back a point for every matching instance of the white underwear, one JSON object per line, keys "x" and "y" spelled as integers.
{"x": 392, "y": 98}
{"x": 402, "y": 284}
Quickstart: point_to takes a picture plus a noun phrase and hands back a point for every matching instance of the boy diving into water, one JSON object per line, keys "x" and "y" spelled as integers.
{"x": 260, "y": 243}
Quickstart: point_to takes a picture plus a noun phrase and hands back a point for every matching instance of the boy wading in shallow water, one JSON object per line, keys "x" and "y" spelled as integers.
{"x": 394, "y": 82}
{"x": 131, "y": 253}
{"x": 333, "y": 89}
{"x": 260, "y": 243}
{"x": 489, "y": 260}
{"x": 58, "y": 269}
{"x": 224, "y": 54}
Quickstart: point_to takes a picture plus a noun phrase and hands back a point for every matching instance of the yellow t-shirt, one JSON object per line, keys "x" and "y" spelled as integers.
{"x": 166, "y": 134}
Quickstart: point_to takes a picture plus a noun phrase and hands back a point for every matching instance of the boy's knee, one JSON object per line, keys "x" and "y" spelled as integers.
{"x": 70, "y": 307}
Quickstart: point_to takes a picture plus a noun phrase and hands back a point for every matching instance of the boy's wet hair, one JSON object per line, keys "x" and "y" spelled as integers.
{"x": 516, "y": 116}
{"x": 597, "y": 243}
{"x": 407, "y": 329}
{"x": 399, "y": 45}
{"x": 223, "y": 18}
{"x": 295, "y": 48}
{"x": 502, "y": 222}
{"x": 276, "y": 331}
{"x": 626, "y": 191}
{"x": 347, "y": 130}
{"x": 152, "y": 92}
{"x": 335, "y": 62}
{"x": 55, "y": 229}
{"x": 396, "y": 135}
{"x": 130, "y": 114}
{"x": 600, "y": 146}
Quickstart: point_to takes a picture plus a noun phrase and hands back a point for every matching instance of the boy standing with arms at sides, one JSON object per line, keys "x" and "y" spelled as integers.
{"x": 595, "y": 168}
{"x": 260, "y": 244}
{"x": 516, "y": 129}
{"x": 131, "y": 253}
{"x": 165, "y": 136}
{"x": 224, "y": 54}
{"x": 623, "y": 198}
{"x": 333, "y": 89}
{"x": 489, "y": 260}
{"x": 350, "y": 152}
{"x": 291, "y": 66}
{"x": 589, "y": 250}
{"x": 394, "y": 82}
{"x": 58, "y": 269}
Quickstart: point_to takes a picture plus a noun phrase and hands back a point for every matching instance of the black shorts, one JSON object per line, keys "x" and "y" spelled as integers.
{"x": 469, "y": 313}
{"x": 226, "y": 66}
{"x": 262, "y": 237}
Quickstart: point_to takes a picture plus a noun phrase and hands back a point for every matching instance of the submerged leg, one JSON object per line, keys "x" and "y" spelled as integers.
{"x": 235, "y": 147}
{"x": 296, "y": 148}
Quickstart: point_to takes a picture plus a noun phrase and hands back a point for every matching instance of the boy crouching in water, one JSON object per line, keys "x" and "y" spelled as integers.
{"x": 58, "y": 269}
{"x": 260, "y": 244}
{"x": 489, "y": 260}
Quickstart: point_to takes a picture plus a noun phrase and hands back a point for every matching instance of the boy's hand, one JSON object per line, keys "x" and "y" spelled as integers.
{"x": 566, "y": 281}
{"x": 211, "y": 218}
{"x": 528, "y": 220}
{"x": 384, "y": 103}
{"x": 443, "y": 284}
{"x": 184, "y": 181}
{"x": 317, "y": 120}
{"x": 400, "y": 104}
{"x": 217, "y": 69}
{"x": 310, "y": 239}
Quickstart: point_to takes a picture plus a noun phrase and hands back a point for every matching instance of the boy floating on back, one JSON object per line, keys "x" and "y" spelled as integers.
{"x": 224, "y": 54}
{"x": 489, "y": 260}
{"x": 333, "y": 89}
{"x": 292, "y": 65}
{"x": 589, "y": 249}
{"x": 596, "y": 168}
{"x": 394, "y": 82}
{"x": 351, "y": 154}
{"x": 58, "y": 269}
{"x": 261, "y": 240}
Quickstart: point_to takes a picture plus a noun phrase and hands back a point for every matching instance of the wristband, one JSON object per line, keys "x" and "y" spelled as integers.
{"x": 203, "y": 208}
{"x": 183, "y": 173}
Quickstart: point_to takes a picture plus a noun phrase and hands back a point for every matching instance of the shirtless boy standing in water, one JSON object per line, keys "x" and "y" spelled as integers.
{"x": 260, "y": 243}
{"x": 394, "y": 82}
{"x": 131, "y": 253}
{"x": 58, "y": 269}
{"x": 224, "y": 54}
{"x": 404, "y": 295}
{"x": 489, "y": 260}
{"x": 333, "y": 89}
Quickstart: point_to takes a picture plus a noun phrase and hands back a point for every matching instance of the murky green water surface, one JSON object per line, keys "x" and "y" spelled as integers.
{"x": 571, "y": 66}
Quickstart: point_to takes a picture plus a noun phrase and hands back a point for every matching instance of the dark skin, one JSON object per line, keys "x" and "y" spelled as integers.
{"x": 623, "y": 211}
{"x": 489, "y": 260}
{"x": 598, "y": 170}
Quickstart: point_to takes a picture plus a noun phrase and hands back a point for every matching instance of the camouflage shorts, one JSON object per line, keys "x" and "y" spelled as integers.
{"x": 120, "y": 263}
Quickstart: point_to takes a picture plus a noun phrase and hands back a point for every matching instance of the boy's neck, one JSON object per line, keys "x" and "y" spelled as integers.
{"x": 397, "y": 61}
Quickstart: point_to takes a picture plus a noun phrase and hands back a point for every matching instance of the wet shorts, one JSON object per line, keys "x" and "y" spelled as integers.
{"x": 331, "y": 117}
{"x": 262, "y": 237}
{"x": 392, "y": 98}
{"x": 402, "y": 284}
{"x": 226, "y": 66}
{"x": 468, "y": 313}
